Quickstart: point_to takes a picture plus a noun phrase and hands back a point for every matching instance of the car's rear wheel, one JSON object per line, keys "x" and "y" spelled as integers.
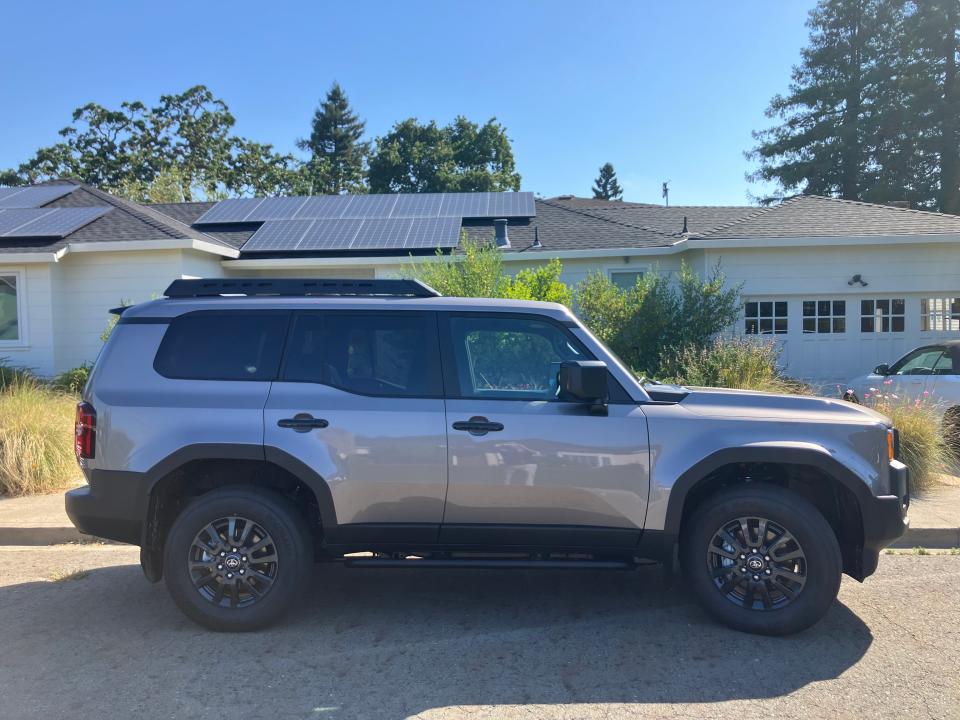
{"x": 762, "y": 560}
{"x": 238, "y": 558}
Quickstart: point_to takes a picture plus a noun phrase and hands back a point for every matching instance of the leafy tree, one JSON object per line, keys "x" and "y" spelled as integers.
{"x": 606, "y": 187}
{"x": 652, "y": 323}
{"x": 479, "y": 273}
{"x": 185, "y": 135}
{"x": 337, "y": 152}
{"x": 255, "y": 169}
{"x": 460, "y": 157}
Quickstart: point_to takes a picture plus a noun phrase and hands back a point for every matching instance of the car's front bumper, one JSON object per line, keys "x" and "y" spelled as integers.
{"x": 885, "y": 517}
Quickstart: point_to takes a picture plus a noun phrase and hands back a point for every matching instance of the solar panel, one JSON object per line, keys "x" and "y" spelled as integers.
{"x": 6, "y": 192}
{"x": 233, "y": 210}
{"x": 433, "y": 233}
{"x": 55, "y": 222}
{"x": 511, "y": 204}
{"x": 11, "y": 219}
{"x": 382, "y": 234}
{"x": 275, "y": 208}
{"x": 330, "y": 235}
{"x": 329, "y": 207}
{"x": 464, "y": 205}
{"x": 277, "y": 235}
{"x": 33, "y": 197}
{"x": 417, "y": 205}
{"x": 370, "y": 206}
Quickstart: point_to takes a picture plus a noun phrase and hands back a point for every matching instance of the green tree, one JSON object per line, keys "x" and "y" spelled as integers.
{"x": 254, "y": 169}
{"x": 127, "y": 151}
{"x": 821, "y": 145}
{"x": 460, "y": 157}
{"x": 478, "y": 272}
{"x": 652, "y": 323}
{"x": 606, "y": 187}
{"x": 337, "y": 151}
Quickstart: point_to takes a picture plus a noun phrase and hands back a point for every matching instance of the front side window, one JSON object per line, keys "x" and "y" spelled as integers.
{"x": 920, "y": 362}
{"x": 383, "y": 354}
{"x": 824, "y": 316}
{"x": 9, "y": 310}
{"x": 882, "y": 316}
{"x": 765, "y": 317}
{"x": 940, "y": 314}
{"x": 222, "y": 346}
{"x": 509, "y": 357}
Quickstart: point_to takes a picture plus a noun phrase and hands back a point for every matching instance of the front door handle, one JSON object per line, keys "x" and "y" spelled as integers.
{"x": 302, "y": 422}
{"x": 478, "y": 425}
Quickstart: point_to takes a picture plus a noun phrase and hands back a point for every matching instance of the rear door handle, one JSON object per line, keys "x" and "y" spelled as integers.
{"x": 302, "y": 422}
{"x": 478, "y": 425}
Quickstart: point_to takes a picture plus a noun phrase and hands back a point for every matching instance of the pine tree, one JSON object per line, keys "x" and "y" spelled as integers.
{"x": 821, "y": 145}
{"x": 337, "y": 153}
{"x": 606, "y": 187}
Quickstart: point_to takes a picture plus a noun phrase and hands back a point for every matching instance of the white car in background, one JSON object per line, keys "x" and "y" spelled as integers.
{"x": 930, "y": 374}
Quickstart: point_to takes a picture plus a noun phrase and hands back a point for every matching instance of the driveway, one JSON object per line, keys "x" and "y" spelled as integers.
{"x": 451, "y": 644}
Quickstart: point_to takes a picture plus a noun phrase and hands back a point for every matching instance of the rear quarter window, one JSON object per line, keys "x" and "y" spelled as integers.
{"x": 222, "y": 346}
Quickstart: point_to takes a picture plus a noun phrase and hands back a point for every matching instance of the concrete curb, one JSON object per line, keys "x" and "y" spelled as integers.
{"x": 933, "y": 538}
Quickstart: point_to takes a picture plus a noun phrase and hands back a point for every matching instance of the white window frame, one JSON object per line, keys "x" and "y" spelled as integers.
{"x": 832, "y": 316}
{"x": 759, "y": 317}
{"x": 613, "y": 269}
{"x": 878, "y": 316}
{"x": 939, "y": 310}
{"x": 22, "y": 341}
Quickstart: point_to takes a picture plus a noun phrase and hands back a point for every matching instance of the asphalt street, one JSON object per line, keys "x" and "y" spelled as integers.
{"x": 480, "y": 644}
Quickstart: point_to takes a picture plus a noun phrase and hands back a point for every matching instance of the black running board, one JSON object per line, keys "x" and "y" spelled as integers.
{"x": 489, "y": 564}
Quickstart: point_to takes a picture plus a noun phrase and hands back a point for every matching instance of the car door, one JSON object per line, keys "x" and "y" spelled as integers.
{"x": 910, "y": 376}
{"x": 360, "y": 401}
{"x": 527, "y": 468}
{"x": 943, "y": 386}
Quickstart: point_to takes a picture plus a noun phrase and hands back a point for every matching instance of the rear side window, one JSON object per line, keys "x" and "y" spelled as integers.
{"x": 387, "y": 354}
{"x": 222, "y": 346}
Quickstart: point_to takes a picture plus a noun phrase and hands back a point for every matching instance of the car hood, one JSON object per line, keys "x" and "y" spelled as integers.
{"x": 720, "y": 402}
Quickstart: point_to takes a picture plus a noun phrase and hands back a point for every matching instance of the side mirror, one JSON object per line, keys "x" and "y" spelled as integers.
{"x": 882, "y": 369}
{"x": 584, "y": 381}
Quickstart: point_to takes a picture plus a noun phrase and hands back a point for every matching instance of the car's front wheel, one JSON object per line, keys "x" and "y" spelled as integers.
{"x": 238, "y": 558}
{"x": 762, "y": 559}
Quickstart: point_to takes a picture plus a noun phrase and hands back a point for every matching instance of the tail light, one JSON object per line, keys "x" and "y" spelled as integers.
{"x": 85, "y": 431}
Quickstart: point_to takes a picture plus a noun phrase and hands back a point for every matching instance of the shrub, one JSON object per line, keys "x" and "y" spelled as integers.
{"x": 924, "y": 446}
{"x": 479, "y": 273}
{"x": 10, "y": 375}
{"x": 660, "y": 317}
{"x": 36, "y": 438}
{"x": 738, "y": 363}
{"x": 73, "y": 381}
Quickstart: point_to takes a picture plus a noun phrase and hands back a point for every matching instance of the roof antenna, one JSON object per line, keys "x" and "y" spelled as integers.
{"x": 684, "y": 231}
{"x": 536, "y": 237}
{"x": 665, "y": 192}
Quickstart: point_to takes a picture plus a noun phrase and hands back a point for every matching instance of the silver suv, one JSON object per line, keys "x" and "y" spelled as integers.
{"x": 240, "y": 430}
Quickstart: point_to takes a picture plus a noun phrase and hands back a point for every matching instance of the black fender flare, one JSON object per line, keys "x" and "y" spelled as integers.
{"x": 767, "y": 454}
{"x": 238, "y": 451}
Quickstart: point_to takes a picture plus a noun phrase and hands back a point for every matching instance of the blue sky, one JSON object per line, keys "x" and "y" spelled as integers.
{"x": 663, "y": 90}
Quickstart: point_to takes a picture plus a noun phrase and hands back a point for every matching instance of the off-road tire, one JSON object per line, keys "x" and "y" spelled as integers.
{"x": 823, "y": 563}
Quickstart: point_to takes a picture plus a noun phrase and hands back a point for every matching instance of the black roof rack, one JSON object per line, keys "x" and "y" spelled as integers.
{"x": 290, "y": 287}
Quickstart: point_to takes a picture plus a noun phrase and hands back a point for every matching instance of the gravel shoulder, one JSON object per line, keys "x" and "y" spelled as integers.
{"x": 479, "y": 644}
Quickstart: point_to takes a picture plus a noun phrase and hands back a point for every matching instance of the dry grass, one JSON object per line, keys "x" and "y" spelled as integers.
{"x": 61, "y": 575}
{"x": 36, "y": 438}
{"x": 925, "y": 447}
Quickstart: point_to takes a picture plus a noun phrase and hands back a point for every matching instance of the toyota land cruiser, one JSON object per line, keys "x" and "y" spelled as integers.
{"x": 240, "y": 430}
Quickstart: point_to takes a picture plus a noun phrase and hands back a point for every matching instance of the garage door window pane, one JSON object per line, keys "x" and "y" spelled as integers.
{"x": 765, "y": 317}
{"x": 882, "y": 316}
{"x": 939, "y": 314}
{"x": 9, "y": 318}
{"x": 824, "y": 316}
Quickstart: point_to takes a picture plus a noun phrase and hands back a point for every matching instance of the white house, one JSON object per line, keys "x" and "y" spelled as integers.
{"x": 841, "y": 285}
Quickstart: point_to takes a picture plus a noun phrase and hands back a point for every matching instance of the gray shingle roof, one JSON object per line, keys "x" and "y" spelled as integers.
{"x": 816, "y": 216}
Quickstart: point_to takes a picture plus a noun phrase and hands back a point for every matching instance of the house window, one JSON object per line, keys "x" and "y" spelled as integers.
{"x": 625, "y": 279}
{"x": 940, "y": 314}
{"x": 824, "y": 316}
{"x": 882, "y": 316}
{"x": 765, "y": 317}
{"x": 10, "y": 326}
